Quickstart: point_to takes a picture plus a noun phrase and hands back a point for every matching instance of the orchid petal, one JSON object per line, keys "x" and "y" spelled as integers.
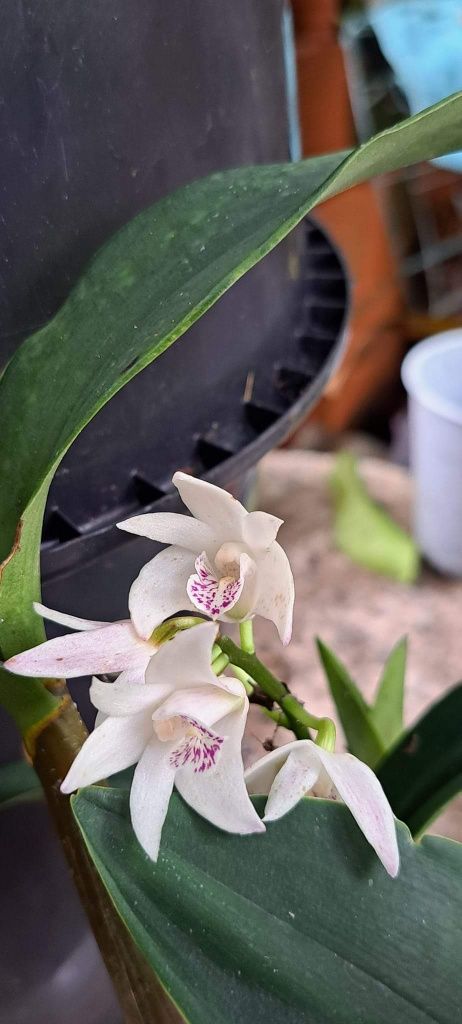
{"x": 219, "y": 794}
{"x": 260, "y": 529}
{"x": 206, "y": 703}
{"x": 136, "y": 676}
{"x": 185, "y": 661}
{"x": 160, "y": 590}
{"x": 361, "y": 791}
{"x": 126, "y": 698}
{"x": 71, "y": 621}
{"x": 150, "y": 794}
{"x": 260, "y": 776}
{"x": 295, "y": 779}
{"x": 196, "y": 746}
{"x": 211, "y": 596}
{"x": 109, "y": 649}
{"x": 276, "y": 594}
{"x": 171, "y": 528}
{"x": 115, "y": 745}
{"x": 213, "y": 506}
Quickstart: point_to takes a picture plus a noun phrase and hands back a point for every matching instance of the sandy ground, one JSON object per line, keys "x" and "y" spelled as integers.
{"x": 359, "y": 614}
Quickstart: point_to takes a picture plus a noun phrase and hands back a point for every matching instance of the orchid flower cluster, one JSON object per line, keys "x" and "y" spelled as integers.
{"x": 171, "y": 710}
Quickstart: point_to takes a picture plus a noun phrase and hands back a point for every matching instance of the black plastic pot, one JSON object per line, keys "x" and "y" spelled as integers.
{"x": 106, "y": 107}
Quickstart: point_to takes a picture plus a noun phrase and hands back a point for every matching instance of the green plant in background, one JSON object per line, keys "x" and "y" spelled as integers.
{"x": 370, "y": 729}
{"x": 300, "y": 923}
{"x": 364, "y": 531}
{"x": 420, "y": 768}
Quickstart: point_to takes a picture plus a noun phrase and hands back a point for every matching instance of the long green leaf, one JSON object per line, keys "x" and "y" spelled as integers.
{"x": 386, "y": 712}
{"x": 299, "y": 926}
{"x": 362, "y": 737}
{"x": 141, "y": 292}
{"x": 424, "y": 770}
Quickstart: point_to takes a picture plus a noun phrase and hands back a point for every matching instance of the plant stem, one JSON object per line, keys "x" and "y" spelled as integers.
{"x": 220, "y": 663}
{"x": 246, "y": 681}
{"x": 300, "y": 719}
{"x": 279, "y": 717}
{"x": 246, "y": 636}
{"x": 141, "y": 997}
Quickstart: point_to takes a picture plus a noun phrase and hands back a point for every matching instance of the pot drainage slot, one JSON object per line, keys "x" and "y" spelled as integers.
{"x": 57, "y": 529}
{"x": 290, "y": 382}
{"x": 212, "y": 453}
{"x": 146, "y": 493}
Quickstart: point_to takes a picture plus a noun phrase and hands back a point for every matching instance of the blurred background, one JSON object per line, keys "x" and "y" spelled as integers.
{"x": 361, "y": 67}
{"x": 299, "y": 363}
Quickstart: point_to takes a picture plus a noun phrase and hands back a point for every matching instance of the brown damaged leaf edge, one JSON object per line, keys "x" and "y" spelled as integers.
{"x": 14, "y": 550}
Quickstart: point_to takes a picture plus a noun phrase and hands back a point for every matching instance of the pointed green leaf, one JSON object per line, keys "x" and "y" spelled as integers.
{"x": 363, "y": 739}
{"x": 143, "y": 290}
{"x": 423, "y": 772}
{"x": 364, "y": 531}
{"x": 298, "y": 926}
{"x": 387, "y": 711}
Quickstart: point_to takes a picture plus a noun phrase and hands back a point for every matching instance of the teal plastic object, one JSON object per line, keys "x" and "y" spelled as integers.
{"x": 422, "y": 42}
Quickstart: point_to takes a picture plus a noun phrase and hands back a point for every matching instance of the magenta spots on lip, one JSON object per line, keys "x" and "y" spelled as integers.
{"x": 199, "y": 749}
{"x": 208, "y": 594}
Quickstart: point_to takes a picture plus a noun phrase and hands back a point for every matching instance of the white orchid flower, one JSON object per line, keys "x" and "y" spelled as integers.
{"x": 184, "y": 728}
{"x": 98, "y": 648}
{"x": 301, "y": 768}
{"x": 224, "y": 561}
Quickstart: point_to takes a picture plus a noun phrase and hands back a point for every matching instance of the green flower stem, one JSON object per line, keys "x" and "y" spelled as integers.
{"x": 220, "y": 663}
{"x": 326, "y": 734}
{"x": 246, "y": 681}
{"x": 300, "y": 720}
{"x": 168, "y": 629}
{"x": 277, "y": 716}
{"x": 246, "y": 636}
{"x": 295, "y": 715}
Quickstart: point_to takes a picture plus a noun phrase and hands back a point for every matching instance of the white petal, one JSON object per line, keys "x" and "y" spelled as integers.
{"x": 116, "y": 744}
{"x": 109, "y": 649}
{"x": 361, "y": 791}
{"x": 275, "y": 600}
{"x": 137, "y": 675}
{"x": 207, "y": 704}
{"x": 223, "y": 513}
{"x": 171, "y": 528}
{"x": 186, "y": 660}
{"x": 72, "y": 621}
{"x": 261, "y": 775}
{"x": 295, "y": 779}
{"x": 219, "y": 794}
{"x": 126, "y": 698}
{"x": 160, "y": 589}
{"x": 248, "y": 573}
{"x": 150, "y": 794}
{"x": 260, "y": 529}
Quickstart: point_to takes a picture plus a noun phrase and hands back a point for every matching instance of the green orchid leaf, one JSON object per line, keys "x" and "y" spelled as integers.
{"x": 143, "y": 290}
{"x": 18, "y": 783}
{"x": 387, "y": 711}
{"x": 364, "y": 531}
{"x": 362, "y": 735}
{"x": 423, "y": 772}
{"x": 298, "y": 926}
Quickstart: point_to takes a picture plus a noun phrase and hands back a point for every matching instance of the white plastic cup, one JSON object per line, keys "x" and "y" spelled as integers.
{"x": 432, "y": 376}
